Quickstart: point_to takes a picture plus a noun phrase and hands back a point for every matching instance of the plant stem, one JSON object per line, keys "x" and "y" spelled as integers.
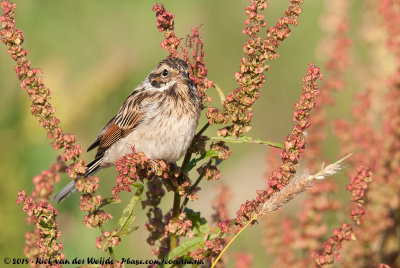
{"x": 177, "y": 199}
{"x": 233, "y": 239}
{"x": 175, "y": 216}
{"x": 110, "y": 250}
{"x": 246, "y": 139}
{"x": 185, "y": 165}
{"x": 193, "y": 186}
{"x": 220, "y": 93}
{"x": 176, "y": 208}
{"x": 203, "y": 129}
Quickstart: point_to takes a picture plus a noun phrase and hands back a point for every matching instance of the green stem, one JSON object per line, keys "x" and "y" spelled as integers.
{"x": 233, "y": 239}
{"x": 220, "y": 93}
{"x": 203, "y": 129}
{"x": 175, "y": 216}
{"x": 176, "y": 208}
{"x": 246, "y": 139}
{"x": 110, "y": 250}
{"x": 185, "y": 164}
{"x": 193, "y": 186}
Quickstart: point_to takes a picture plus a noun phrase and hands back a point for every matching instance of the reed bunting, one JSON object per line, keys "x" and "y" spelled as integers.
{"x": 159, "y": 118}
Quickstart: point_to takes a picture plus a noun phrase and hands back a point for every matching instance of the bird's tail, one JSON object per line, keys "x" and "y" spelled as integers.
{"x": 92, "y": 168}
{"x": 65, "y": 192}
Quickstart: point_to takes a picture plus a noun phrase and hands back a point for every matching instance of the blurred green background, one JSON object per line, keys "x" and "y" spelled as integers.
{"x": 93, "y": 54}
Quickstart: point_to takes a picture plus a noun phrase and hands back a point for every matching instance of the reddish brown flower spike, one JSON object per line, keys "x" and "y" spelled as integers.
{"x": 358, "y": 187}
{"x": 42, "y": 242}
{"x": 237, "y": 107}
{"x": 32, "y": 82}
{"x": 165, "y": 23}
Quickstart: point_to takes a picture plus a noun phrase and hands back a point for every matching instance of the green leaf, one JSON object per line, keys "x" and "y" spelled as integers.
{"x": 127, "y": 217}
{"x": 208, "y": 154}
{"x": 108, "y": 200}
{"x": 46, "y": 225}
{"x": 216, "y": 233}
{"x": 199, "y": 224}
{"x": 200, "y": 231}
{"x": 126, "y": 221}
{"x": 185, "y": 248}
{"x": 128, "y": 230}
{"x": 247, "y": 139}
{"x": 211, "y": 153}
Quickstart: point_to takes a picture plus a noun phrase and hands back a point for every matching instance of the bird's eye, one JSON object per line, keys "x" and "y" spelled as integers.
{"x": 165, "y": 72}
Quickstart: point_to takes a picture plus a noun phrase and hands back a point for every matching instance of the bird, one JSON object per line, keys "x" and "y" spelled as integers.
{"x": 159, "y": 118}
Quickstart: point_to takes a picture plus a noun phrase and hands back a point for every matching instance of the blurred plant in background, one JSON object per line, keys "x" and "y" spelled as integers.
{"x": 375, "y": 142}
{"x": 181, "y": 232}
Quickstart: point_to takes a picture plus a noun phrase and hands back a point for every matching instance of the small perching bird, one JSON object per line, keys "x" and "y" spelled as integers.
{"x": 159, "y": 118}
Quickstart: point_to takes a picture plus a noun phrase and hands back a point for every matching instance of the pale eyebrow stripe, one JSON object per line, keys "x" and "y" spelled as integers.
{"x": 166, "y": 86}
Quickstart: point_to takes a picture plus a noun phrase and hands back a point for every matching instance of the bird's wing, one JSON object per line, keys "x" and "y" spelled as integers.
{"x": 102, "y": 131}
{"x": 126, "y": 120}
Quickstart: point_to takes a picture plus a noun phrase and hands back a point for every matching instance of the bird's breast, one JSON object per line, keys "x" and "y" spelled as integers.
{"x": 162, "y": 137}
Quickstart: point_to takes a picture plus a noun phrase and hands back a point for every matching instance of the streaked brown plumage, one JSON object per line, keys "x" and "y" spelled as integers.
{"x": 159, "y": 118}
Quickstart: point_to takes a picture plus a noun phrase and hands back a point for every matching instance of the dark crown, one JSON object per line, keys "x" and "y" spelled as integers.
{"x": 174, "y": 63}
